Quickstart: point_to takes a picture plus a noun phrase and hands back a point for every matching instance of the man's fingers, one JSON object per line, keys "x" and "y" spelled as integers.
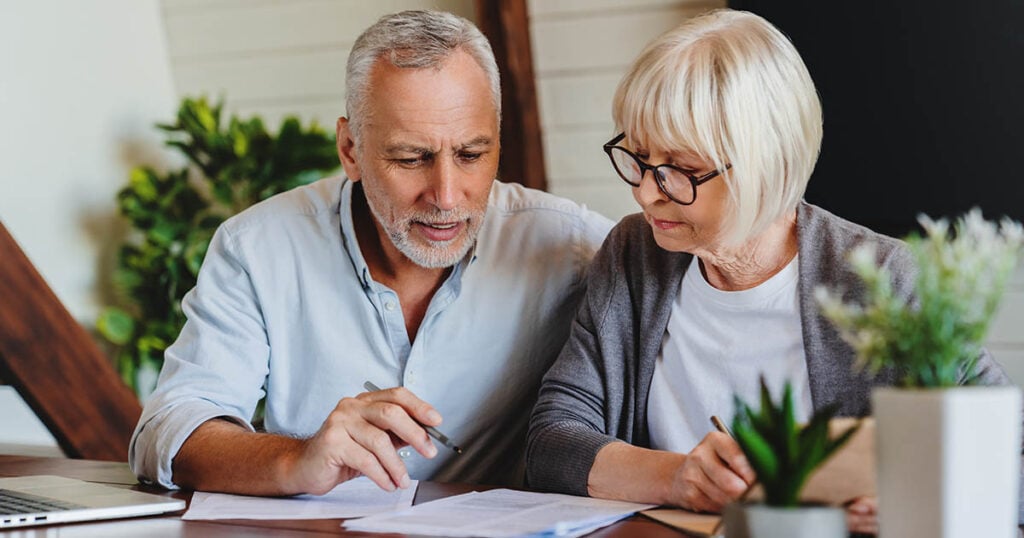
{"x": 393, "y": 418}
{"x": 375, "y": 444}
{"x": 415, "y": 407}
{"x": 356, "y": 457}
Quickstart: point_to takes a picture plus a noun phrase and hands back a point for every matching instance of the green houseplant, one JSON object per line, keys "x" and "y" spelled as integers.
{"x": 932, "y": 340}
{"x": 784, "y": 453}
{"x": 231, "y": 164}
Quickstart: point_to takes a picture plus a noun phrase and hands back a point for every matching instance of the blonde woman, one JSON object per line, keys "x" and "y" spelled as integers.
{"x": 712, "y": 284}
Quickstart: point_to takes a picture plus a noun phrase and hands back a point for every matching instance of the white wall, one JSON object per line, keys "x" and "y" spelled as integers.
{"x": 275, "y": 57}
{"x": 81, "y": 84}
{"x": 20, "y": 431}
{"x": 581, "y": 49}
{"x": 1006, "y": 337}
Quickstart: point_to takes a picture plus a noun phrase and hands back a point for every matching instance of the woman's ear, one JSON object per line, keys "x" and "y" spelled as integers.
{"x": 347, "y": 149}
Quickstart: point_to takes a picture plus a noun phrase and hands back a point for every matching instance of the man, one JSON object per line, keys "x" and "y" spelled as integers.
{"x": 419, "y": 271}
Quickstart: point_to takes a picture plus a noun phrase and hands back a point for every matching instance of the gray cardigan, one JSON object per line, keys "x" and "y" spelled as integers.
{"x": 596, "y": 391}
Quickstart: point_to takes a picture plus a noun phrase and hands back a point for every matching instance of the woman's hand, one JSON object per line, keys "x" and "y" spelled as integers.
{"x": 713, "y": 474}
{"x": 862, "y": 515}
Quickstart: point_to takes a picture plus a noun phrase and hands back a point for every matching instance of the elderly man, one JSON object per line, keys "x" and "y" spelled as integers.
{"x": 418, "y": 271}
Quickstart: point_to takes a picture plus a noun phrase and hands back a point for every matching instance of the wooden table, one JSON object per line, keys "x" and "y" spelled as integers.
{"x": 117, "y": 474}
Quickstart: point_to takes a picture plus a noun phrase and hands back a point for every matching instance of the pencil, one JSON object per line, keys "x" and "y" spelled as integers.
{"x": 720, "y": 426}
{"x": 431, "y": 431}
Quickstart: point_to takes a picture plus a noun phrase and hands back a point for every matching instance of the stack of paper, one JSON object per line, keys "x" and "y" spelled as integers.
{"x": 355, "y": 498}
{"x": 501, "y": 513}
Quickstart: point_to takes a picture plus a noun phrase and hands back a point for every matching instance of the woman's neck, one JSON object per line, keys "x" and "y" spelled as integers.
{"x": 748, "y": 265}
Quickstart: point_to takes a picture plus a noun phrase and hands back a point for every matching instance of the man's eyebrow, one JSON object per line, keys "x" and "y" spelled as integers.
{"x": 407, "y": 148}
{"x": 477, "y": 142}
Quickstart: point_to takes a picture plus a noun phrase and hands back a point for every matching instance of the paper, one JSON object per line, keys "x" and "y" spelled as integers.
{"x": 354, "y": 498}
{"x": 501, "y": 513}
{"x": 850, "y": 472}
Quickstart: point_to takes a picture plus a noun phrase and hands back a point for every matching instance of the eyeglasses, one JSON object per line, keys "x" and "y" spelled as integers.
{"x": 679, "y": 185}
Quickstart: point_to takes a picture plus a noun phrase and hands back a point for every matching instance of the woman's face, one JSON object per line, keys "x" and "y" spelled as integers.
{"x": 693, "y": 228}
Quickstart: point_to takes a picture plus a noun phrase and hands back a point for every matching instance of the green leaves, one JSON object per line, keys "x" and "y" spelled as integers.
{"x": 933, "y": 337}
{"x": 783, "y": 453}
{"x": 116, "y": 325}
{"x": 233, "y": 164}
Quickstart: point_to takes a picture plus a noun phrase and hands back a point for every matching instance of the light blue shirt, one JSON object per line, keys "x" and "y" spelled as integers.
{"x": 285, "y": 307}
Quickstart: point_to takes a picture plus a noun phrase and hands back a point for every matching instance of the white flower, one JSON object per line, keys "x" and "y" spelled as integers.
{"x": 962, "y": 271}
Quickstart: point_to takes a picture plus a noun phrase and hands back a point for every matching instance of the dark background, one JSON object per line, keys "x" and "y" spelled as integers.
{"x": 923, "y": 105}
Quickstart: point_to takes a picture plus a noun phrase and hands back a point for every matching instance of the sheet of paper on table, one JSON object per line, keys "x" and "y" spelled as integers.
{"x": 355, "y": 498}
{"x": 501, "y": 513}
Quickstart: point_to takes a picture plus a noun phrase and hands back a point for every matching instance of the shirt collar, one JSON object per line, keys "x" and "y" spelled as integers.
{"x": 348, "y": 234}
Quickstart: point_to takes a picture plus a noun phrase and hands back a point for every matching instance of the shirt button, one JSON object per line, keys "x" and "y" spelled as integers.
{"x": 389, "y": 306}
{"x": 405, "y": 452}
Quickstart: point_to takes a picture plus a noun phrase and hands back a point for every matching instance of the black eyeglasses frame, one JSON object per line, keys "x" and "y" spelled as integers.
{"x": 659, "y": 179}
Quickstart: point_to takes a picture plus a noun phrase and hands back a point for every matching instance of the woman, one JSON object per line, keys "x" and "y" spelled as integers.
{"x": 712, "y": 284}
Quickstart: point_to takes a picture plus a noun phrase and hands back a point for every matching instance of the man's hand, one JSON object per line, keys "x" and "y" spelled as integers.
{"x": 361, "y": 437}
{"x": 713, "y": 474}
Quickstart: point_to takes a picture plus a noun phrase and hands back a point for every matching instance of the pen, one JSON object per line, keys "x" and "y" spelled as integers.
{"x": 720, "y": 426}
{"x": 431, "y": 431}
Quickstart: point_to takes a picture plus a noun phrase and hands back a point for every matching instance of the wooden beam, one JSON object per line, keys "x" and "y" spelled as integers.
{"x": 57, "y": 368}
{"x": 507, "y": 26}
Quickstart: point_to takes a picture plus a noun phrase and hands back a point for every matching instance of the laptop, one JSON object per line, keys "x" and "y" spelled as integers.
{"x": 44, "y": 500}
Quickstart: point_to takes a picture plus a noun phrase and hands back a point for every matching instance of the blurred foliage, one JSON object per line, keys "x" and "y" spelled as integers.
{"x": 231, "y": 165}
{"x": 932, "y": 338}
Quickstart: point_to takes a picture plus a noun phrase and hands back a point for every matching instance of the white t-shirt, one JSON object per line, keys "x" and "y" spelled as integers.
{"x": 717, "y": 344}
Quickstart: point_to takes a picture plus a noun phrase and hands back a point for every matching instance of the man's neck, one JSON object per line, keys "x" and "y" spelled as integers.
{"x": 414, "y": 284}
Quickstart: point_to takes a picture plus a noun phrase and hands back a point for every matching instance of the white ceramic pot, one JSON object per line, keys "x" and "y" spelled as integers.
{"x": 948, "y": 461}
{"x": 761, "y": 521}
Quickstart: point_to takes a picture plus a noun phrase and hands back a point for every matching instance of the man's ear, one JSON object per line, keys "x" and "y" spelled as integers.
{"x": 347, "y": 149}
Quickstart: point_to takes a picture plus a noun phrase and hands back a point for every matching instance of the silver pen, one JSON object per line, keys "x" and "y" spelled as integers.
{"x": 431, "y": 431}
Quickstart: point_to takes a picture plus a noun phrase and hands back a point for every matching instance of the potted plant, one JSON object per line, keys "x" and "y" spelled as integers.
{"x": 948, "y": 450}
{"x": 784, "y": 453}
{"x": 231, "y": 164}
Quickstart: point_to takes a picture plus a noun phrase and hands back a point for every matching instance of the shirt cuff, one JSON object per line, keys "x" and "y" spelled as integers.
{"x": 159, "y": 439}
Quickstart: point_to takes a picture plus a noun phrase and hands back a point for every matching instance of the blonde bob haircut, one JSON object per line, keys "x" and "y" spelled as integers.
{"x": 730, "y": 88}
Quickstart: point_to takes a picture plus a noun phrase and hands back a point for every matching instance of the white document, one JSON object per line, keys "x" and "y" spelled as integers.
{"x": 355, "y": 498}
{"x": 501, "y": 513}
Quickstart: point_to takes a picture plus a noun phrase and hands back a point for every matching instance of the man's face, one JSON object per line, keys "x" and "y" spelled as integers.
{"x": 427, "y": 157}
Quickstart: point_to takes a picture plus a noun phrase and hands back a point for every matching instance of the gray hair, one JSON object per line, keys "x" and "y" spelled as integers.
{"x": 414, "y": 39}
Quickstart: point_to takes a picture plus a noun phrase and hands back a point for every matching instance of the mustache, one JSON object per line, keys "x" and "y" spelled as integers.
{"x": 442, "y": 216}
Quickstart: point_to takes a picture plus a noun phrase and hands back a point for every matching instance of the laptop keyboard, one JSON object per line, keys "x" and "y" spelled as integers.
{"x": 16, "y": 502}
